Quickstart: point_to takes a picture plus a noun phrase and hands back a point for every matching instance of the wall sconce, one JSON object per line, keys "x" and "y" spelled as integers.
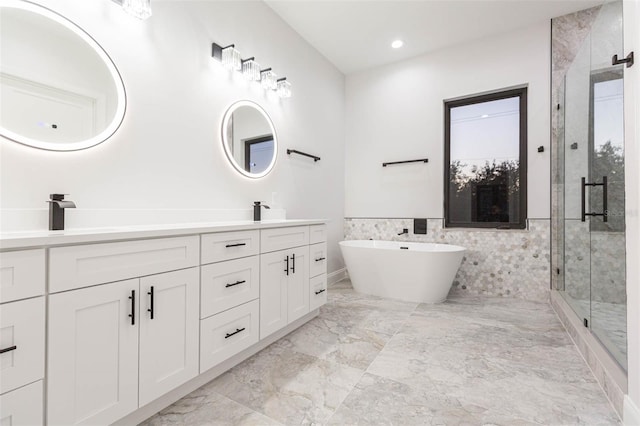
{"x": 284, "y": 88}
{"x": 268, "y": 79}
{"x": 251, "y": 69}
{"x": 141, "y": 9}
{"x": 230, "y": 58}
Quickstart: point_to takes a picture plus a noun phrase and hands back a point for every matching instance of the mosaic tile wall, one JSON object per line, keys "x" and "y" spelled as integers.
{"x": 508, "y": 263}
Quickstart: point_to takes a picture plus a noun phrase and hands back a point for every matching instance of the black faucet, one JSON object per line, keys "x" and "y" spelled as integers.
{"x": 257, "y": 211}
{"x": 57, "y": 204}
{"x": 404, "y": 231}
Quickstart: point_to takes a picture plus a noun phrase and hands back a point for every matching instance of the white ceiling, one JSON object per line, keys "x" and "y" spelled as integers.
{"x": 357, "y": 34}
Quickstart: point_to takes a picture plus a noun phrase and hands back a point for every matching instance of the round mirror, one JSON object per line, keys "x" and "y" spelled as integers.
{"x": 249, "y": 139}
{"x": 60, "y": 90}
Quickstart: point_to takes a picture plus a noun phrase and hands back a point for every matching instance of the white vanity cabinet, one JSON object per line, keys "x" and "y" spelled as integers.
{"x": 129, "y": 324}
{"x": 22, "y": 336}
{"x": 284, "y": 279}
{"x": 108, "y": 355}
{"x": 114, "y": 347}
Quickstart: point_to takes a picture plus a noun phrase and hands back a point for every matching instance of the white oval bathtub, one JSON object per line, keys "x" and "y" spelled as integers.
{"x": 414, "y": 272}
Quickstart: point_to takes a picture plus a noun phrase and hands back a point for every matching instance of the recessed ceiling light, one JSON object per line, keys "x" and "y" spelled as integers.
{"x": 397, "y": 44}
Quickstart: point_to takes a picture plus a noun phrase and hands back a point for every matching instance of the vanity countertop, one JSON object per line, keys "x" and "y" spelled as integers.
{"x": 35, "y": 239}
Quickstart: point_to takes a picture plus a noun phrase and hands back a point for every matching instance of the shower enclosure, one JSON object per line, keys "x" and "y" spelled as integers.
{"x": 588, "y": 178}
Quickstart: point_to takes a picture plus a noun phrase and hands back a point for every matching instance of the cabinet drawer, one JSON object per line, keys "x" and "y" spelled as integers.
{"x": 22, "y": 327}
{"x": 23, "y": 407}
{"x": 229, "y": 245}
{"x": 317, "y": 259}
{"x": 318, "y": 293}
{"x": 228, "y": 333}
{"x": 317, "y": 234}
{"x": 283, "y": 238}
{"x": 228, "y": 284}
{"x": 21, "y": 274}
{"x": 82, "y": 266}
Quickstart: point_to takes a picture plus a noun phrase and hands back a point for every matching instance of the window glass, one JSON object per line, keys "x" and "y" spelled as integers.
{"x": 484, "y": 177}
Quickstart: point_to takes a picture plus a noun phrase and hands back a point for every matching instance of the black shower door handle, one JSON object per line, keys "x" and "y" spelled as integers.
{"x": 605, "y": 196}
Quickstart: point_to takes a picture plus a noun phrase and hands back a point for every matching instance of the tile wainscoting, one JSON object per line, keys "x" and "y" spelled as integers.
{"x": 508, "y": 263}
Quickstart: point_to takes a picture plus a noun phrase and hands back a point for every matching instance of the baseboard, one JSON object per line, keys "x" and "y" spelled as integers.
{"x": 205, "y": 377}
{"x": 335, "y": 276}
{"x": 631, "y": 415}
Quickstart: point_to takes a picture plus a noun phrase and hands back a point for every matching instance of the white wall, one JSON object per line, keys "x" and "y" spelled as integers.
{"x": 632, "y": 182}
{"x": 396, "y": 112}
{"x": 168, "y": 152}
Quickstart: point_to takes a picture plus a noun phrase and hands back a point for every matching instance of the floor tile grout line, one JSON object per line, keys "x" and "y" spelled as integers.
{"x": 243, "y": 405}
{"x": 366, "y": 370}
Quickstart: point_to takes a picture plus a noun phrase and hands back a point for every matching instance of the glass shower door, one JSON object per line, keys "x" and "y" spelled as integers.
{"x": 592, "y": 164}
{"x": 607, "y": 257}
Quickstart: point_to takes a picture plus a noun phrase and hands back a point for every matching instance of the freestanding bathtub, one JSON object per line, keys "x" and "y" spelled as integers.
{"x": 414, "y": 272}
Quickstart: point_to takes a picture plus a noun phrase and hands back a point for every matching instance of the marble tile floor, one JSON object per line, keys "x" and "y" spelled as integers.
{"x": 367, "y": 360}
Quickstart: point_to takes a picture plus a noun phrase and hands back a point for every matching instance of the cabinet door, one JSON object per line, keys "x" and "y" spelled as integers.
{"x": 273, "y": 292}
{"x": 298, "y": 284}
{"x": 169, "y": 339}
{"x": 93, "y": 354}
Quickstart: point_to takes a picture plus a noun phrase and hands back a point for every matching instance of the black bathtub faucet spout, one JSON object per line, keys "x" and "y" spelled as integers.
{"x": 404, "y": 231}
{"x": 257, "y": 211}
{"x": 57, "y": 204}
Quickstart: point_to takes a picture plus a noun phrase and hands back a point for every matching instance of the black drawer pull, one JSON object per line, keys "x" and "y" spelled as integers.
{"x": 150, "y": 310}
{"x": 238, "y": 330}
{"x": 133, "y": 307}
{"x": 236, "y": 245}
{"x": 9, "y": 349}
{"x": 320, "y": 258}
{"x": 321, "y": 291}
{"x": 236, "y": 283}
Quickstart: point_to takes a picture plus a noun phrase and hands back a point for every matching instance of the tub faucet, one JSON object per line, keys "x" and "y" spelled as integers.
{"x": 57, "y": 204}
{"x": 257, "y": 211}
{"x": 404, "y": 231}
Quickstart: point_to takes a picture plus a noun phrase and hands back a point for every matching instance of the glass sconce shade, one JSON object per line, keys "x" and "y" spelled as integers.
{"x": 284, "y": 88}
{"x": 251, "y": 69}
{"x": 231, "y": 58}
{"x": 141, "y": 9}
{"x": 268, "y": 79}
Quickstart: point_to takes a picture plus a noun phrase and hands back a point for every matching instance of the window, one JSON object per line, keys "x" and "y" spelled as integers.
{"x": 486, "y": 161}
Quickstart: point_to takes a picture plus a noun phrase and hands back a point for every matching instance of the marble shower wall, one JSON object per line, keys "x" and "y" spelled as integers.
{"x": 508, "y": 263}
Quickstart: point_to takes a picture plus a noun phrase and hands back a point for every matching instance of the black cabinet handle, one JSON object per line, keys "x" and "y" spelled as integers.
{"x": 236, "y": 245}
{"x": 287, "y": 260}
{"x": 133, "y": 307}
{"x": 321, "y": 291}
{"x": 150, "y": 310}
{"x": 236, "y": 283}
{"x": 238, "y": 330}
{"x": 604, "y": 213}
{"x": 9, "y": 349}
{"x": 320, "y": 258}
{"x": 293, "y": 268}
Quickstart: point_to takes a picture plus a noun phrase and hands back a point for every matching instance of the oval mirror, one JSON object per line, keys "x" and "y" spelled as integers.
{"x": 60, "y": 90}
{"x": 249, "y": 139}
